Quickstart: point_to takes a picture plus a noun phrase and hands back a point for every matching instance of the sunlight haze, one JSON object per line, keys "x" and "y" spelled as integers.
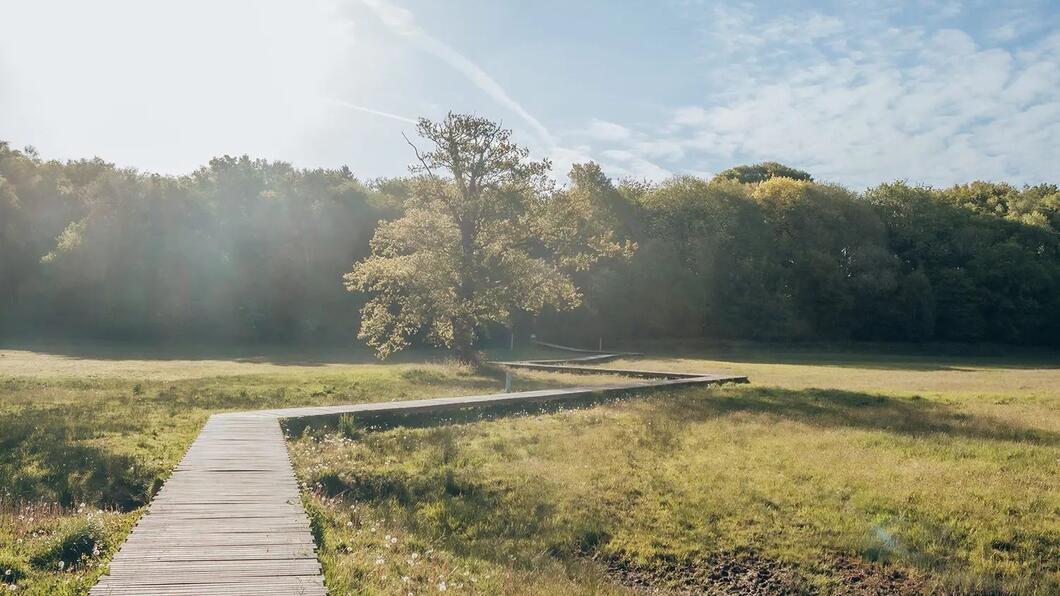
{"x": 858, "y": 93}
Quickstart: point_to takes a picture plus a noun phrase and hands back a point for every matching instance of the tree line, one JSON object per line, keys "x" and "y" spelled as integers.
{"x": 246, "y": 250}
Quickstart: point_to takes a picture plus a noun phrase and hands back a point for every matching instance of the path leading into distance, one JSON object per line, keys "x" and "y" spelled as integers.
{"x": 230, "y": 519}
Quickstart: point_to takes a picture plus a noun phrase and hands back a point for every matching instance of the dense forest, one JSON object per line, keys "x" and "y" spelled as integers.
{"x": 245, "y": 250}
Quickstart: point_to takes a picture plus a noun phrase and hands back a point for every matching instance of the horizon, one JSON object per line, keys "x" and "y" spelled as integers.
{"x": 929, "y": 93}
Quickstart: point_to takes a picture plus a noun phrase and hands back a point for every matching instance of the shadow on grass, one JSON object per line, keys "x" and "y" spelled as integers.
{"x": 879, "y": 356}
{"x": 279, "y": 355}
{"x": 448, "y": 506}
{"x": 831, "y": 408}
{"x": 823, "y": 408}
{"x": 45, "y": 456}
{"x": 289, "y": 354}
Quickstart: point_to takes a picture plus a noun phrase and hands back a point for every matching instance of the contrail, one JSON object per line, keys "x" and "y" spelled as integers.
{"x": 368, "y": 110}
{"x": 401, "y": 21}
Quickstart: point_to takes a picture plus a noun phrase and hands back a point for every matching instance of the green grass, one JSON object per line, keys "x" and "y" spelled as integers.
{"x": 901, "y": 473}
{"x": 105, "y": 428}
{"x": 832, "y": 466}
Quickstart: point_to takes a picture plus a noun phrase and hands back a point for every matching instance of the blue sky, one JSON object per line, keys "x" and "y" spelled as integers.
{"x": 854, "y": 92}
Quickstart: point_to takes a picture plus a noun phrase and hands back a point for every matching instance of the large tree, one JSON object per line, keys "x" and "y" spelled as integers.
{"x": 483, "y": 235}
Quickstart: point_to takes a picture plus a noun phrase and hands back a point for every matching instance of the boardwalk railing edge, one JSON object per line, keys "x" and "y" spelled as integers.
{"x": 230, "y": 520}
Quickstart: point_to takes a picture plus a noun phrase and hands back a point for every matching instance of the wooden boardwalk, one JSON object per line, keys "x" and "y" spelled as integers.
{"x": 228, "y": 521}
{"x": 230, "y": 518}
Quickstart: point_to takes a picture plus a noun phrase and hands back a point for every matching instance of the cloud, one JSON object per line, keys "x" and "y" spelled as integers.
{"x": 403, "y": 22}
{"x": 607, "y": 131}
{"x": 628, "y": 164}
{"x": 689, "y": 116}
{"x": 955, "y": 110}
{"x": 862, "y": 100}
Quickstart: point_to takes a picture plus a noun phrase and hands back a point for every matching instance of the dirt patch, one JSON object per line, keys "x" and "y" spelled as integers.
{"x": 728, "y": 573}
{"x": 852, "y": 575}
{"x": 750, "y": 573}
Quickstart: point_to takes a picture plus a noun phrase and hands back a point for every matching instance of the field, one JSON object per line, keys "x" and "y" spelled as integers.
{"x": 831, "y": 472}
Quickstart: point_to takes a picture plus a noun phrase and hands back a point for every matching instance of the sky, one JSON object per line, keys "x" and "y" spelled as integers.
{"x": 856, "y": 93}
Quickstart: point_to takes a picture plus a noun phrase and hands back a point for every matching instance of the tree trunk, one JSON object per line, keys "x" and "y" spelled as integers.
{"x": 464, "y": 343}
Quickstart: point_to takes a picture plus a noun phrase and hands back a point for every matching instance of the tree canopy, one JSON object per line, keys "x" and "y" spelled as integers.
{"x": 482, "y": 236}
{"x": 760, "y": 172}
{"x": 245, "y": 250}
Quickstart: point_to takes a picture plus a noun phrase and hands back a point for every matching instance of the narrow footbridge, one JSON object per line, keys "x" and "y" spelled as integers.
{"x": 230, "y": 518}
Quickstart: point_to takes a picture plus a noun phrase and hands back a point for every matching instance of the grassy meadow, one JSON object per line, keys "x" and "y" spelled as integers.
{"x": 839, "y": 472}
{"x": 831, "y": 473}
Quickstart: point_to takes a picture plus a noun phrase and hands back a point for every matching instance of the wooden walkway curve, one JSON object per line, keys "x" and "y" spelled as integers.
{"x": 230, "y": 519}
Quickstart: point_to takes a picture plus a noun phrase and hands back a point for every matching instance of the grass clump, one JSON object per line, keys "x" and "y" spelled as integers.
{"x": 11, "y": 569}
{"x": 55, "y": 550}
{"x": 77, "y": 542}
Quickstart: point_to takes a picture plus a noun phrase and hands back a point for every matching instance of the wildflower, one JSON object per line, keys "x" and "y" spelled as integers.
{"x": 442, "y": 587}
{"x": 379, "y": 561}
{"x": 62, "y": 565}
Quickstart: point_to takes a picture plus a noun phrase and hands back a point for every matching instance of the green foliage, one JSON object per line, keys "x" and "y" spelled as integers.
{"x": 480, "y": 239}
{"x": 239, "y": 250}
{"x": 790, "y": 259}
{"x": 245, "y": 250}
{"x": 760, "y": 172}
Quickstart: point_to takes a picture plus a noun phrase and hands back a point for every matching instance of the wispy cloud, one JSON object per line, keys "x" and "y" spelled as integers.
{"x": 607, "y": 131}
{"x": 373, "y": 111}
{"x": 402, "y": 22}
{"x": 861, "y": 99}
